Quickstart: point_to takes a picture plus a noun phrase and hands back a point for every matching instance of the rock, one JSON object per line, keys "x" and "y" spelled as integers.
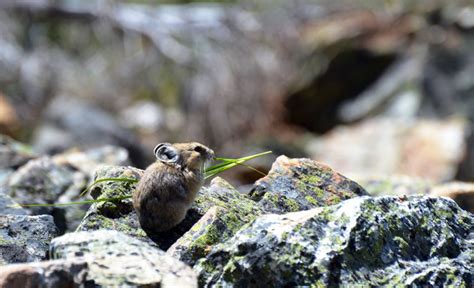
{"x": 222, "y": 211}
{"x": 10, "y": 207}
{"x": 41, "y": 181}
{"x": 13, "y": 154}
{"x": 115, "y": 259}
{"x": 382, "y": 241}
{"x": 114, "y": 215}
{"x": 66, "y": 115}
{"x": 88, "y": 161}
{"x": 302, "y": 184}
{"x": 25, "y": 238}
{"x": 58, "y": 273}
{"x": 462, "y": 193}
{"x": 424, "y": 148}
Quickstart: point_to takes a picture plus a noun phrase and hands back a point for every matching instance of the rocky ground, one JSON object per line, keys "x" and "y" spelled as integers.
{"x": 303, "y": 224}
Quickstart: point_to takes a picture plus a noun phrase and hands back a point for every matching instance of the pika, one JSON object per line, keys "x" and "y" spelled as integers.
{"x": 169, "y": 186}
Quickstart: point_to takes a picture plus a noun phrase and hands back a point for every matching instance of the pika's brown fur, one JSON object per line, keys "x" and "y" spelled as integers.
{"x": 168, "y": 187}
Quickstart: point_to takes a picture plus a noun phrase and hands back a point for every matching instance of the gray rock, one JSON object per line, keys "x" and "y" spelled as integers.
{"x": 87, "y": 161}
{"x": 13, "y": 154}
{"x": 10, "y": 207}
{"x": 58, "y": 273}
{"x": 115, "y": 259}
{"x": 25, "y": 238}
{"x": 39, "y": 181}
{"x": 383, "y": 241}
{"x": 301, "y": 184}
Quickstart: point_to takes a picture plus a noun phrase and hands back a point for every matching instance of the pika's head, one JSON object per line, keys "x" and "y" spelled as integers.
{"x": 192, "y": 156}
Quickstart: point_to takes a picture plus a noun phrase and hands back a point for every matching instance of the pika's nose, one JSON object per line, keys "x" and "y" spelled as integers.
{"x": 210, "y": 153}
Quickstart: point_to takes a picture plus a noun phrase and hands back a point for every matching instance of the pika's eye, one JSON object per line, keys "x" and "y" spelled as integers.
{"x": 199, "y": 149}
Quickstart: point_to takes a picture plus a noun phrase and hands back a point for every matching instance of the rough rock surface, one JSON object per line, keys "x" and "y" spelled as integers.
{"x": 41, "y": 181}
{"x": 114, "y": 215}
{"x": 115, "y": 259}
{"x": 58, "y": 273}
{"x": 230, "y": 212}
{"x": 461, "y": 192}
{"x": 383, "y": 241}
{"x": 301, "y": 184}
{"x": 25, "y": 238}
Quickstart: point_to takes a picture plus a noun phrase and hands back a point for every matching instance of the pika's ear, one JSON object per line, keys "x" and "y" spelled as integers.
{"x": 165, "y": 152}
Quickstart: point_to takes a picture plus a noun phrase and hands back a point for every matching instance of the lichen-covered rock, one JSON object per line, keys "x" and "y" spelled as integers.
{"x": 57, "y": 273}
{"x": 13, "y": 154}
{"x": 116, "y": 215}
{"x": 115, "y": 259}
{"x": 198, "y": 241}
{"x": 301, "y": 184}
{"x": 383, "y": 241}
{"x": 25, "y": 238}
{"x": 461, "y": 192}
{"x": 222, "y": 211}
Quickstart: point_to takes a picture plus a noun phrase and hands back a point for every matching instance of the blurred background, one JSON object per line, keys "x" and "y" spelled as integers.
{"x": 369, "y": 87}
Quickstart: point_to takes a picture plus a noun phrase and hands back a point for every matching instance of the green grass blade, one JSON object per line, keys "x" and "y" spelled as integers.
{"x": 72, "y": 203}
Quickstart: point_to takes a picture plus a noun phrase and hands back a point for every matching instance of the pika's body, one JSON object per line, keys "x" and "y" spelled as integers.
{"x": 169, "y": 186}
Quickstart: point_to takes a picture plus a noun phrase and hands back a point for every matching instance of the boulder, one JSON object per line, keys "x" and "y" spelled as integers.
{"x": 115, "y": 259}
{"x": 25, "y": 238}
{"x": 301, "y": 184}
{"x": 382, "y": 241}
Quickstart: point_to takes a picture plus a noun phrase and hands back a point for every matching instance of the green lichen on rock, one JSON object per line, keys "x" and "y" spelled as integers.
{"x": 301, "y": 184}
{"x": 117, "y": 215}
{"x": 383, "y": 241}
{"x": 224, "y": 210}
